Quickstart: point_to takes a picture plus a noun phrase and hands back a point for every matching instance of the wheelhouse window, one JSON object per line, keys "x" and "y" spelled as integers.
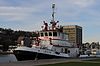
{"x": 50, "y": 33}
{"x": 42, "y": 34}
{"x": 46, "y": 34}
{"x": 54, "y": 33}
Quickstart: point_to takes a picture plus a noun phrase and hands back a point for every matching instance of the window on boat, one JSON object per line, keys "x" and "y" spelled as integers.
{"x": 42, "y": 34}
{"x": 59, "y": 33}
{"x": 46, "y": 34}
{"x": 50, "y": 33}
{"x": 66, "y": 50}
{"x": 54, "y": 33}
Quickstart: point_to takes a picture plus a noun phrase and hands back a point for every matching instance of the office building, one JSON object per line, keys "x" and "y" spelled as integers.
{"x": 75, "y": 34}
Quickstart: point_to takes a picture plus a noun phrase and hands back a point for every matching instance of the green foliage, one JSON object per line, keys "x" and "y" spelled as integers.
{"x": 34, "y": 35}
{"x": 9, "y": 37}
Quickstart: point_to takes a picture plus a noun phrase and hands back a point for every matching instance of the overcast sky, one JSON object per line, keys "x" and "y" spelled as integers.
{"x": 29, "y": 15}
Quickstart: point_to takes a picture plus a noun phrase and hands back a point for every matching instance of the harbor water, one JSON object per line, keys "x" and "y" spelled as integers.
{"x": 7, "y": 58}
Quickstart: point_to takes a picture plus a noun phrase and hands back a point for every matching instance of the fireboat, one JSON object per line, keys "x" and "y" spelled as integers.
{"x": 51, "y": 42}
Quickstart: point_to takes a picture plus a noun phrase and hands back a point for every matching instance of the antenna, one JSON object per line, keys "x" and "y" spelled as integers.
{"x": 53, "y": 8}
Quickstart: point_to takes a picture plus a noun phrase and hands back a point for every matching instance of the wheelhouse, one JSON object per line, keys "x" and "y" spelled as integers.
{"x": 52, "y": 34}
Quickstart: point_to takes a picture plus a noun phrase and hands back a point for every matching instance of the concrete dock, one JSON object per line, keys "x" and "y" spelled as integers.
{"x": 41, "y": 62}
{"x": 33, "y": 62}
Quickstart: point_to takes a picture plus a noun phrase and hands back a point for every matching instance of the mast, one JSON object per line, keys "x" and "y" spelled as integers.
{"x": 53, "y": 23}
{"x": 53, "y": 12}
{"x": 53, "y": 18}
